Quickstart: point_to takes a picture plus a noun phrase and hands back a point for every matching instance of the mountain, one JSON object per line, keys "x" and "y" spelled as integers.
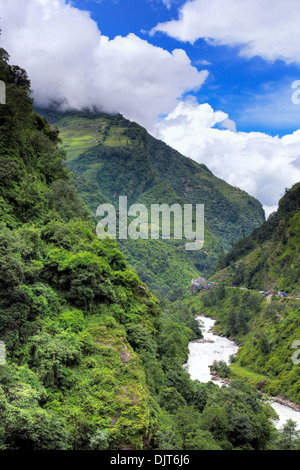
{"x": 91, "y": 361}
{"x": 268, "y": 258}
{"x": 71, "y": 309}
{"x": 111, "y": 156}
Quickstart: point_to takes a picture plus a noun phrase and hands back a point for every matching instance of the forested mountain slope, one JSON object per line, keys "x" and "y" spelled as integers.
{"x": 269, "y": 258}
{"x": 229, "y": 211}
{"x": 67, "y": 302}
{"x": 267, "y": 331}
{"x": 119, "y": 158}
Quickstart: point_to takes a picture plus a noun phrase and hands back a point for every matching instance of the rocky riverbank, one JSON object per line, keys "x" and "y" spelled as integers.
{"x": 286, "y": 402}
{"x": 216, "y": 347}
{"x": 260, "y": 385}
{"x": 215, "y": 376}
{"x": 278, "y": 399}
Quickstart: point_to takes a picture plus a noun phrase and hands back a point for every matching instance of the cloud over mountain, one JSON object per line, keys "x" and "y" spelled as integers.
{"x": 69, "y": 61}
{"x": 260, "y": 164}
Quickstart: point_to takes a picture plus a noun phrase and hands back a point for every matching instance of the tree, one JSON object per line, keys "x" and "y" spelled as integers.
{"x": 231, "y": 323}
{"x": 289, "y": 436}
{"x": 25, "y": 425}
{"x": 215, "y": 420}
{"x": 242, "y": 325}
{"x": 99, "y": 441}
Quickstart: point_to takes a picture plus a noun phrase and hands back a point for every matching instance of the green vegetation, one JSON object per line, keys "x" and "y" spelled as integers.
{"x": 72, "y": 379}
{"x": 92, "y": 361}
{"x": 229, "y": 211}
{"x": 265, "y": 331}
{"x": 244, "y": 372}
{"x": 114, "y": 157}
{"x": 269, "y": 258}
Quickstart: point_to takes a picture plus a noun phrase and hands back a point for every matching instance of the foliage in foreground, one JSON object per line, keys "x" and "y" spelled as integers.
{"x": 91, "y": 361}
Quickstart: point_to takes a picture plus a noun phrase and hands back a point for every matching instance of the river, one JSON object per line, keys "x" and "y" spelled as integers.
{"x": 214, "y": 347}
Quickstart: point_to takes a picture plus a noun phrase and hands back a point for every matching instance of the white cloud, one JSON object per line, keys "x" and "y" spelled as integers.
{"x": 68, "y": 59}
{"x": 229, "y": 124}
{"x": 260, "y": 164}
{"x": 266, "y": 28}
{"x": 168, "y": 3}
{"x": 202, "y": 62}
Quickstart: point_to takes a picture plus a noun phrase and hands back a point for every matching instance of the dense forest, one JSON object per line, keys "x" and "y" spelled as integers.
{"x": 93, "y": 360}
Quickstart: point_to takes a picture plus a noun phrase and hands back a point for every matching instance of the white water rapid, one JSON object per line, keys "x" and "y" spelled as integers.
{"x": 218, "y": 348}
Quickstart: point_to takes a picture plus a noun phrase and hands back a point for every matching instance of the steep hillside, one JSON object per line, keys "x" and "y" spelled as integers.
{"x": 229, "y": 211}
{"x": 69, "y": 303}
{"x": 269, "y": 258}
{"x": 91, "y": 363}
{"x": 120, "y": 158}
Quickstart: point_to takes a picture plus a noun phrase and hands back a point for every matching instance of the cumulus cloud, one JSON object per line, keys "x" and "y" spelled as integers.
{"x": 260, "y": 164}
{"x": 69, "y": 61}
{"x": 260, "y": 27}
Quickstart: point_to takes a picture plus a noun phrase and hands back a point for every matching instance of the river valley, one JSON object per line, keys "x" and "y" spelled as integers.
{"x": 217, "y": 348}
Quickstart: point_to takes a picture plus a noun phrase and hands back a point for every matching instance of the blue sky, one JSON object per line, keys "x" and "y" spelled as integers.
{"x": 235, "y": 84}
{"x": 211, "y": 78}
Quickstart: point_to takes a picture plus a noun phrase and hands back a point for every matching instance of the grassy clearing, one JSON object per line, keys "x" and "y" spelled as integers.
{"x": 116, "y": 138}
{"x": 80, "y": 134}
{"x": 244, "y": 372}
